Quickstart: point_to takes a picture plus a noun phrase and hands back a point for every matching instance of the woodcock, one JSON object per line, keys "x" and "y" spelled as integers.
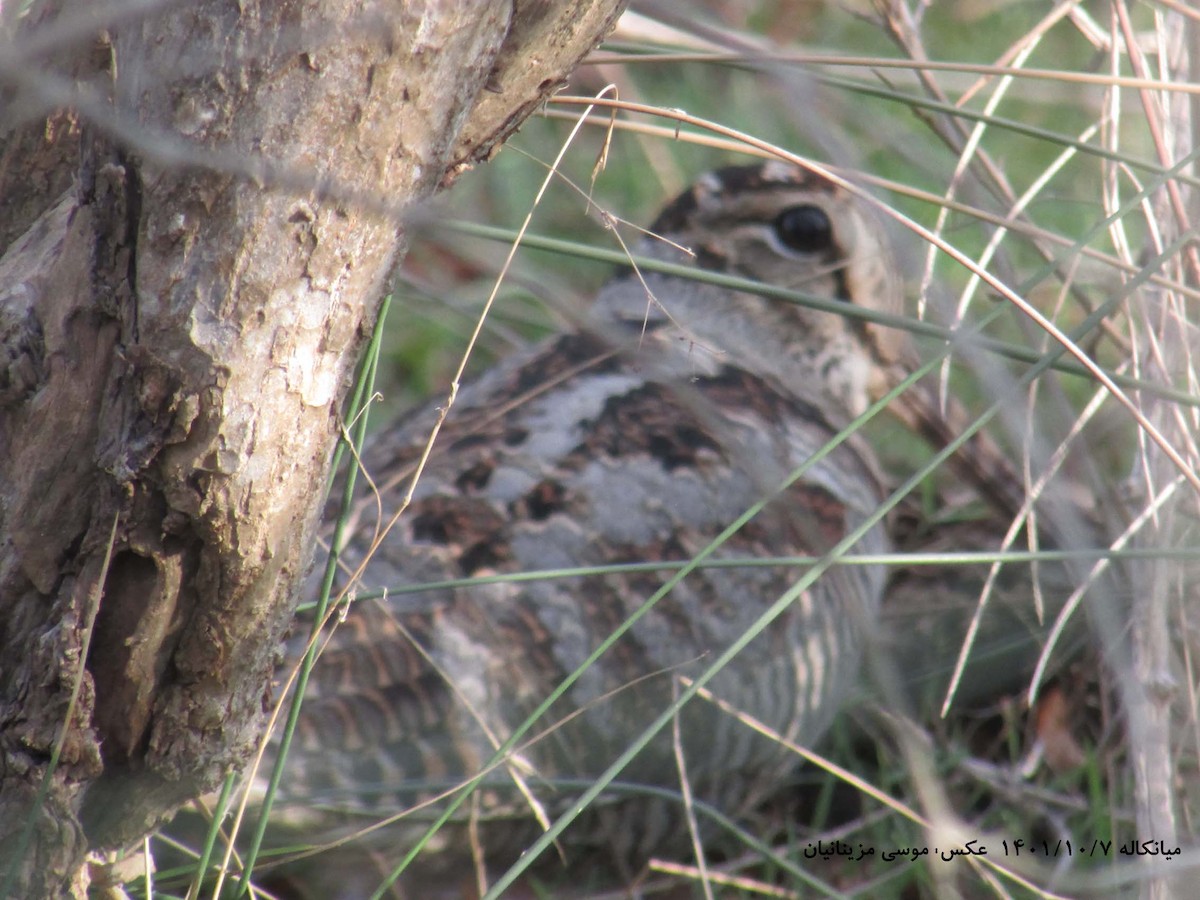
{"x": 639, "y": 437}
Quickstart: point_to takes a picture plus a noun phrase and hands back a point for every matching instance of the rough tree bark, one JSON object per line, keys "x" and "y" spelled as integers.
{"x": 199, "y": 212}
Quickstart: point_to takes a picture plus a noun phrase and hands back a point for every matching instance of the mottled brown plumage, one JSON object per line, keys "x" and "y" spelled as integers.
{"x": 638, "y": 438}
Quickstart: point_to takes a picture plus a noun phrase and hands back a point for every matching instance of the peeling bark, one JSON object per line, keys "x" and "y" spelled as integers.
{"x": 179, "y": 327}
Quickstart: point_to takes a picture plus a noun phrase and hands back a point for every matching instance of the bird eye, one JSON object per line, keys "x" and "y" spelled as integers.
{"x": 806, "y": 228}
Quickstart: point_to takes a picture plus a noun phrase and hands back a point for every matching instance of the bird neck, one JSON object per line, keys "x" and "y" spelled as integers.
{"x": 691, "y": 329}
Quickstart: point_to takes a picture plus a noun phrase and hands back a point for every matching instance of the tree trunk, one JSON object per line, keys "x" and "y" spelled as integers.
{"x": 200, "y": 208}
